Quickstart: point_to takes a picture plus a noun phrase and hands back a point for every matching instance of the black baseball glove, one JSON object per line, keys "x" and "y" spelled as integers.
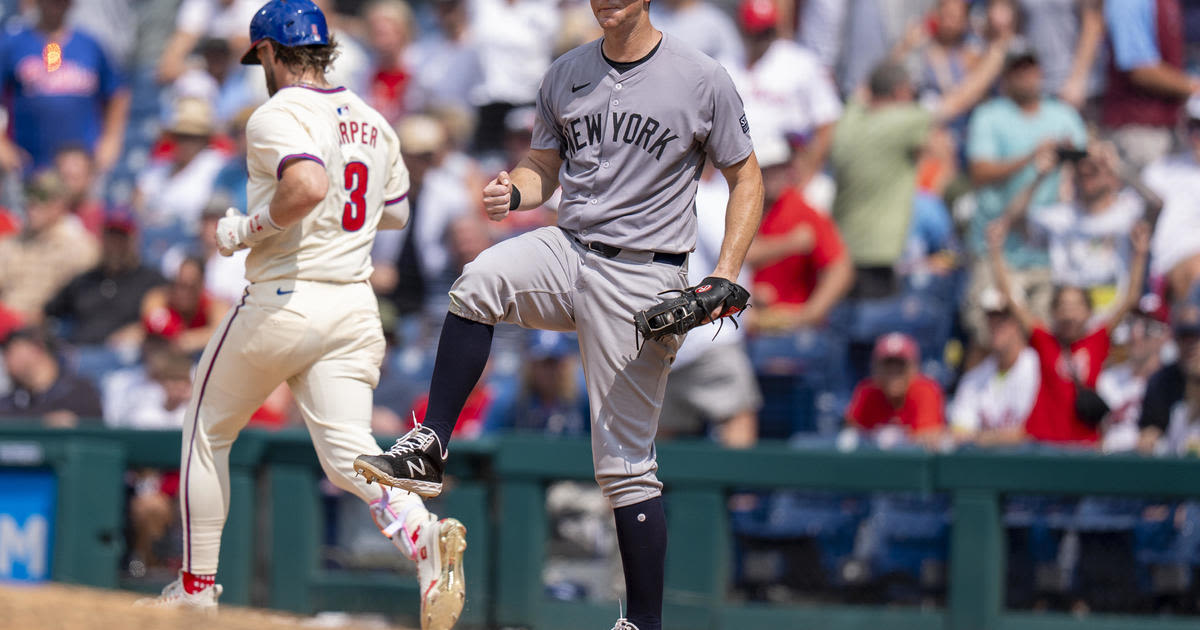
{"x": 691, "y": 308}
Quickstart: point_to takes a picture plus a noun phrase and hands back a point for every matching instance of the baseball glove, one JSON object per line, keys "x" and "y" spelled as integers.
{"x": 691, "y": 308}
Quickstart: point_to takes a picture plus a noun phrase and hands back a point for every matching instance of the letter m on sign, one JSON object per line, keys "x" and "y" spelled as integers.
{"x": 415, "y": 467}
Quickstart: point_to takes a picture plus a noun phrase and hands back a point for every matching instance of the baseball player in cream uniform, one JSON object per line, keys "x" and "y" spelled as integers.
{"x": 325, "y": 174}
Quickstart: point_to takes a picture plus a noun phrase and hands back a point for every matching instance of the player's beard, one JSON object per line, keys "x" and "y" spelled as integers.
{"x": 272, "y": 86}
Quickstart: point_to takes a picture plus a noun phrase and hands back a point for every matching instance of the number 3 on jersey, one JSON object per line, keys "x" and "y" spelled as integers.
{"x": 354, "y": 214}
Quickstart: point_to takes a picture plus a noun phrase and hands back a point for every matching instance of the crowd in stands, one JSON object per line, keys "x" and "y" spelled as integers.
{"x": 982, "y": 221}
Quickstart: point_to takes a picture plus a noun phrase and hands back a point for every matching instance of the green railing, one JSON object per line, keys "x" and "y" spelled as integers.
{"x": 499, "y": 493}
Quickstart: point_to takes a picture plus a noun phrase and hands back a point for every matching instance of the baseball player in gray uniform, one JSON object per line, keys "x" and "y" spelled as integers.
{"x": 625, "y": 124}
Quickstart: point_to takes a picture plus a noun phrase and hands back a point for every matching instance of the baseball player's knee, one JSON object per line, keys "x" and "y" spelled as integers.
{"x": 476, "y": 293}
{"x": 628, "y": 489}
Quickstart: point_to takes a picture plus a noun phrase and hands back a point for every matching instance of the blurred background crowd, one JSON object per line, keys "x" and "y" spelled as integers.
{"x": 982, "y": 219}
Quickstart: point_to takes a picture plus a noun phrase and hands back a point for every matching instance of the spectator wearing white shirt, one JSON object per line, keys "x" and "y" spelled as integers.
{"x": 787, "y": 93}
{"x": 995, "y": 397}
{"x": 703, "y": 26}
{"x": 1088, "y": 237}
{"x": 1123, "y": 386}
{"x": 513, "y": 38}
{"x": 1175, "y": 247}
{"x": 153, "y": 395}
{"x": 175, "y": 191}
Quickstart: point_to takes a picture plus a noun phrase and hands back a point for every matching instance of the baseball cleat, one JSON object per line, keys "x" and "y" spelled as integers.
{"x": 438, "y": 551}
{"x": 414, "y": 463}
{"x": 173, "y": 596}
{"x": 624, "y": 624}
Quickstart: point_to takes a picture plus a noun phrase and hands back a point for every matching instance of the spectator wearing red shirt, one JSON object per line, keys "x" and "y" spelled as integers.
{"x": 897, "y": 393}
{"x": 801, "y": 266}
{"x": 183, "y": 311}
{"x": 1069, "y": 354}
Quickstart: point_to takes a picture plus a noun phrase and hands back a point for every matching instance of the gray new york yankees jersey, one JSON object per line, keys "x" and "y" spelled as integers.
{"x": 633, "y": 143}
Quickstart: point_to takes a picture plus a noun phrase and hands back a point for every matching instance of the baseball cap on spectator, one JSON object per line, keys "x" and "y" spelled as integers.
{"x": 121, "y": 221}
{"x": 991, "y": 300}
{"x": 420, "y": 134}
{"x": 192, "y": 117}
{"x": 758, "y": 16}
{"x": 772, "y": 150}
{"x": 895, "y": 346}
{"x": 1151, "y": 306}
{"x": 46, "y": 186}
{"x": 520, "y": 120}
{"x": 1020, "y": 57}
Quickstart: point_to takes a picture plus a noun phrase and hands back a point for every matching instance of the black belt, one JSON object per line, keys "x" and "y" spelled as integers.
{"x": 608, "y": 251}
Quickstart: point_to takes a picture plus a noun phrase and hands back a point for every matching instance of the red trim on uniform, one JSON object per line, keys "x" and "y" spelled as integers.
{"x": 187, "y": 518}
{"x": 295, "y": 156}
{"x": 396, "y": 200}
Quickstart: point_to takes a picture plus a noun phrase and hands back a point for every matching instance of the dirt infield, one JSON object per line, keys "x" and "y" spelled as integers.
{"x": 58, "y": 607}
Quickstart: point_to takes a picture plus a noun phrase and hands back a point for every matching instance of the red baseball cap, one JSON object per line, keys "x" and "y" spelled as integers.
{"x": 895, "y": 346}
{"x": 757, "y": 16}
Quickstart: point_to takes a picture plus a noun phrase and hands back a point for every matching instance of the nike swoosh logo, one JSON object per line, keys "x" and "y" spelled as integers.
{"x": 576, "y": 88}
{"x": 282, "y": 292}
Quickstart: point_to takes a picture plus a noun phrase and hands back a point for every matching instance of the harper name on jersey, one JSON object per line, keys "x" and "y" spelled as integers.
{"x": 355, "y": 131}
{"x": 630, "y": 128}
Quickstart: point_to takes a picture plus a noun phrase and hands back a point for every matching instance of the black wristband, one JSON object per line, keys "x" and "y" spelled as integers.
{"x": 514, "y": 199}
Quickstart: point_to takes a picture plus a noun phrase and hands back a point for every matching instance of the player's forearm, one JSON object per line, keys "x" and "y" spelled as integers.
{"x": 302, "y": 187}
{"x": 537, "y": 179}
{"x": 742, "y": 216}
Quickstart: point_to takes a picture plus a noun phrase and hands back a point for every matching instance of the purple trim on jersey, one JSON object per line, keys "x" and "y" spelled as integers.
{"x": 335, "y": 90}
{"x": 296, "y": 156}
{"x": 187, "y": 518}
{"x": 396, "y": 200}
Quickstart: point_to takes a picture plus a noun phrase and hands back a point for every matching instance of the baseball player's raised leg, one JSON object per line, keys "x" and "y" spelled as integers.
{"x": 626, "y": 389}
{"x": 526, "y": 280}
{"x": 335, "y": 397}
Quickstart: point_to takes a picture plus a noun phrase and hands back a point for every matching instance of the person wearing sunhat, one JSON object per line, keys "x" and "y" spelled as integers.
{"x": 50, "y": 250}
{"x": 174, "y": 191}
{"x": 897, "y": 394}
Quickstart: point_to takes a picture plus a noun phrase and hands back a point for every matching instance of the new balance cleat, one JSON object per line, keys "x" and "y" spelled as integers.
{"x": 415, "y": 463}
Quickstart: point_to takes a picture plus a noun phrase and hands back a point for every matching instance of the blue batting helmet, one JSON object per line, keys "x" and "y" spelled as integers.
{"x": 288, "y": 23}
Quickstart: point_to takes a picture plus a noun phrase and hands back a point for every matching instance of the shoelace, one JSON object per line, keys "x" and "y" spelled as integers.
{"x": 411, "y": 442}
{"x": 623, "y": 624}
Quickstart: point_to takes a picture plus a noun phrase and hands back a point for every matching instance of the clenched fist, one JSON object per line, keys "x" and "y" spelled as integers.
{"x": 497, "y": 196}
{"x": 237, "y": 231}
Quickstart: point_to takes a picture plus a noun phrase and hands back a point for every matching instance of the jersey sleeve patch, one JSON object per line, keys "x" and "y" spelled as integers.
{"x": 295, "y": 156}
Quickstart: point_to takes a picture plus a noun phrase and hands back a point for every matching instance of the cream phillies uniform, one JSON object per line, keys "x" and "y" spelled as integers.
{"x": 308, "y": 318}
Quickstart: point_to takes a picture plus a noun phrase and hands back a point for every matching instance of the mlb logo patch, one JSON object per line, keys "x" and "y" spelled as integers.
{"x": 745, "y": 124}
{"x": 343, "y": 110}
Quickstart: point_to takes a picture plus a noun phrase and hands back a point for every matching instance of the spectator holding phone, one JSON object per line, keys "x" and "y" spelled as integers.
{"x": 1070, "y": 354}
{"x": 1005, "y": 138}
{"x": 1086, "y": 237}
